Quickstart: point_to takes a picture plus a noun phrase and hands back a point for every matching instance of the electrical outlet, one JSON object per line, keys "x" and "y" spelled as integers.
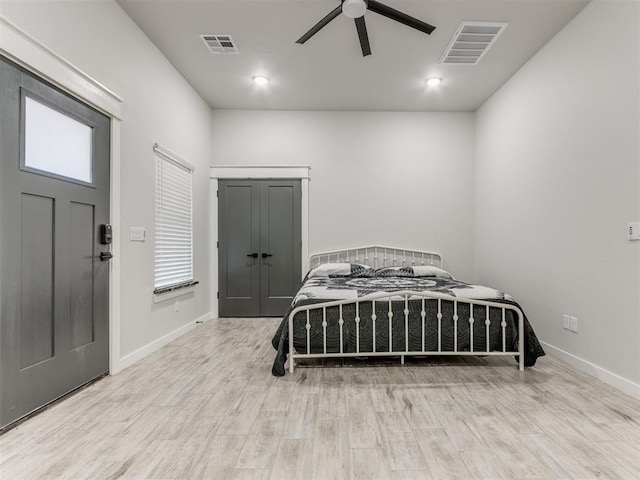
{"x": 176, "y": 306}
{"x": 574, "y": 324}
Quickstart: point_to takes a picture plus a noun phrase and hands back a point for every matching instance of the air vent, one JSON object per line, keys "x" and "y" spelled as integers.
{"x": 219, "y": 43}
{"x": 471, "y": 41}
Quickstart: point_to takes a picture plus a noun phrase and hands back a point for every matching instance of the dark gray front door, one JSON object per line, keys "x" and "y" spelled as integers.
{"x": 54, "y": 194}
{"x": 260, "y": 246}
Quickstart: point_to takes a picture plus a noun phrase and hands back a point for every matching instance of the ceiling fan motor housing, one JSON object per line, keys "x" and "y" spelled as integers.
{"x": 354, "y": 8}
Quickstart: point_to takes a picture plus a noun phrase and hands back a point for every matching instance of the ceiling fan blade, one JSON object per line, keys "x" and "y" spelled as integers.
{"x": 398, "y": 16}
{"x": 361, "y": 26}
{"x": 320, "y": 25}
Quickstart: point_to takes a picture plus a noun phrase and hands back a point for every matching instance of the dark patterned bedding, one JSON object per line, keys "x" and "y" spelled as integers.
{"x": 350, "y": 281}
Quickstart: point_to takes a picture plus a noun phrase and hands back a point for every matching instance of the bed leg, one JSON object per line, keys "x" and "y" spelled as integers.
{"x": 291, "y": 365}
{"x": 521, "y": 340}
{"x": 521, "y": 366}
{"x": 401, "y": 359}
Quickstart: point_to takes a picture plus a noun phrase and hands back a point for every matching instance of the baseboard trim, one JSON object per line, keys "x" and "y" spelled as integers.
{"x": 151, "y": 347}
{"x": 610, "y": 378}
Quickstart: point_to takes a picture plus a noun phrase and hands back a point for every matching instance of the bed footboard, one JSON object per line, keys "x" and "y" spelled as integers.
{"x": 406, "y": 323}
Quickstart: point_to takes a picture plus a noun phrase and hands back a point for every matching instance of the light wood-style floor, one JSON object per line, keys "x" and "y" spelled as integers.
{"x": 206, "y": 406}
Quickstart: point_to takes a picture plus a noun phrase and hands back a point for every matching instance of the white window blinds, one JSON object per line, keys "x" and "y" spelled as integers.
{"x": 174, "y": 229}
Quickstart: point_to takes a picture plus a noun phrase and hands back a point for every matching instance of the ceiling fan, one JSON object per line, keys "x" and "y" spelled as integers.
{"x": 356, "y": 9}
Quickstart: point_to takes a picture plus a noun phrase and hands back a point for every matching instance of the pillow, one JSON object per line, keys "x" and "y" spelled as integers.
{"x": 430, "y": 271}
{"x": 341, "y": 270}
{"x": 394, "y": 272}
{"x": 414, "y": 271}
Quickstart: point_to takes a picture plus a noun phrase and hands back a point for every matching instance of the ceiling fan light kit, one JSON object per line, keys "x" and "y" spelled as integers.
{"x": 356, "y": 9}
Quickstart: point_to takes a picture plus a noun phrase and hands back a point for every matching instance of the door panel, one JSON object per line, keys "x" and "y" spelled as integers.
{"x": 54, "y": 296}
{"x": 261, "y": 217}
{"x": 239, "y": 227}
{"x": 81, "y": 260}
{"x": 238, "y": 232}
{"x": 36, "y": 264}
{"x": 280, "y": 238}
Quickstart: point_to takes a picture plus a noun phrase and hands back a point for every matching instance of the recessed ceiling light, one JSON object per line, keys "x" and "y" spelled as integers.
{"x": 260, "y": 80}
{"x": 434, "y": 81}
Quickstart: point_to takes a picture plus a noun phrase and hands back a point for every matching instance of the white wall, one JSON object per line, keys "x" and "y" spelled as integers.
{"x": 159, "y": 106}
{"x": 557, "y": 182}
{"x": 402, "y": 179}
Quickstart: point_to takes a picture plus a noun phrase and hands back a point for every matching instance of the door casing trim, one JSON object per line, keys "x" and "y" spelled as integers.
{"x": 26, "y": 51}
{"x": 243, "y": 172}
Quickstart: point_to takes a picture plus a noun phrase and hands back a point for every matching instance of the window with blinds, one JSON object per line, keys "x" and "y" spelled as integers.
{"x": 173, "y": 229}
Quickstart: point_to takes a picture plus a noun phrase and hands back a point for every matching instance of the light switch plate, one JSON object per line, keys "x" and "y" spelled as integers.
{"x": 633, "y": 231}
{"x": 137, "y": 234}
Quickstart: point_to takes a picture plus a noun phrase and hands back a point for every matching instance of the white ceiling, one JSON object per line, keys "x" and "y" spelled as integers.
{"x": 329, "y": 72}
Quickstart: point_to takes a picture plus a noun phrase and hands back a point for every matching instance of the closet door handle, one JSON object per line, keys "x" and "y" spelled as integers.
{"x": 252, "y": 255}
{"x": 265, "y": 255}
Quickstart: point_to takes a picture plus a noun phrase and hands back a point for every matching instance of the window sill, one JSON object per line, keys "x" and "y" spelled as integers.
{"x": 168, "y": 293}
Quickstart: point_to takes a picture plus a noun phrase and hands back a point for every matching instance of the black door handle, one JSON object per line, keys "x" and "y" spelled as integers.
{"x": 253, "y": 255}
{"x": 106, "y": 256}
{"x": 265, "y": 255}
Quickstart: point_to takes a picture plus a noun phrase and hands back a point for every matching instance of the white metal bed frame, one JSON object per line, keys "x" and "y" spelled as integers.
{"x": 377, "y": 257}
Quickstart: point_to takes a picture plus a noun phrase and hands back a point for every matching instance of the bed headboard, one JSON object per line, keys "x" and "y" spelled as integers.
{"x": 377, "y": 256}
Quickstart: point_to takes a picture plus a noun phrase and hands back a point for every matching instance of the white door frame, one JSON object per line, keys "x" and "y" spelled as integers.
{"x": 23, "y": 49}
{"x": 243, "y": 172}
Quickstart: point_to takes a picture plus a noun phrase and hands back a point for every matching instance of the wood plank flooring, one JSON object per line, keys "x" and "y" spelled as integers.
{"x": 207, "y": 407}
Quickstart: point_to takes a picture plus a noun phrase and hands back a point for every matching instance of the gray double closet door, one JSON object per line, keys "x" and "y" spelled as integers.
{"x": 260, "y": 248}
{"x": 54, "y": 286}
